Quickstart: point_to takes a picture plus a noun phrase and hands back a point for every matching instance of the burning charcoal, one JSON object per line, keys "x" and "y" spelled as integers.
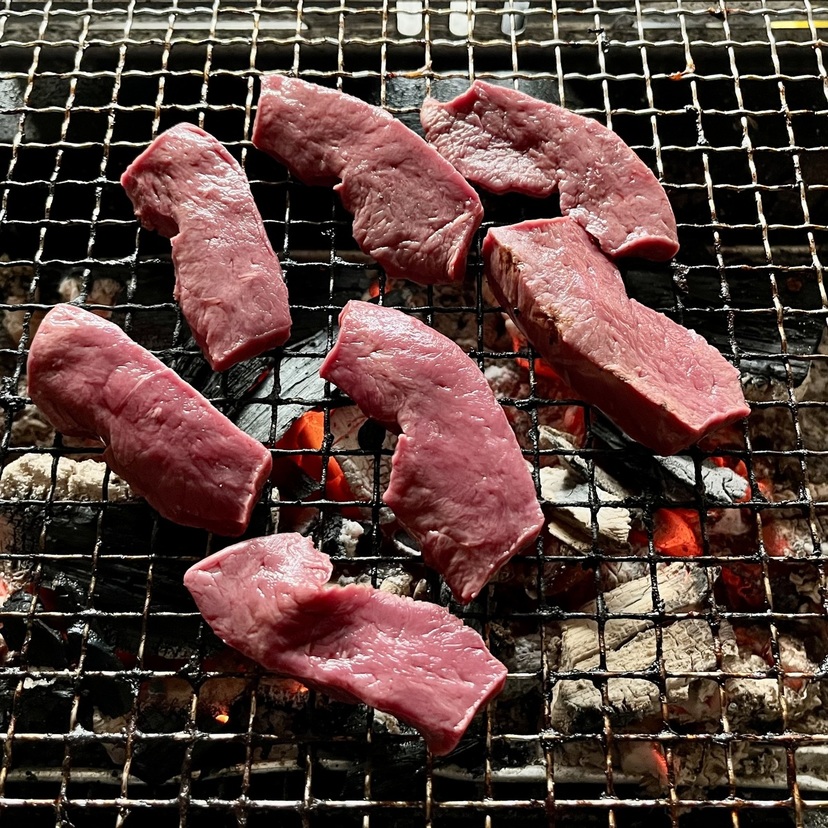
{"x": 573, "y": 524}
{"x": 680, "y": 588}
{"x": 687, "y": 646}
{"x": 348, "y": 426}
{"x": 510, "y": 381}
{"x": 675, "y": 475}
{"x": 754, "y": 703}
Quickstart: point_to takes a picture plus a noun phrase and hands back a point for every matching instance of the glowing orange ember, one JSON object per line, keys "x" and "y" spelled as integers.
{"x": 374, "y": 288}
{"x": 308, "y": 432}
{"x": 222, "y": 718}
{"x": 674, "y": 533}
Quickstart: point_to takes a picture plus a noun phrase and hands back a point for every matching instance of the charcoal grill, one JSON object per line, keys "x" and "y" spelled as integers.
{"x": 118, "y": 708}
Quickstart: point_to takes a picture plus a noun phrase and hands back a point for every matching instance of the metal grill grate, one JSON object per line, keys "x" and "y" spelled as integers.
{"x": 727, "y": 103}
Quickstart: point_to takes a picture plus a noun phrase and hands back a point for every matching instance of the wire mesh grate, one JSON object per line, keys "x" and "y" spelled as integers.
{"x": 118, "y": 707}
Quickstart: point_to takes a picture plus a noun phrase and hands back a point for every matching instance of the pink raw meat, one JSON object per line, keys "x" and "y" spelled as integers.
{"x": 228, "y": 280}
{"x": 412, "y": 211}
{"x": 269, "y": 598}
{"x": 662, "y": 383}
{"x": 507, "y": 141}
{"x": 161, "y": 436}
{"x": 459, "y": 483}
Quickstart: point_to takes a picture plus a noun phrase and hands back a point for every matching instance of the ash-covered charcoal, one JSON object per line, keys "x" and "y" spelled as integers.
{"x": 788, "y": 533}
{"x": 687, "y": 646}
{"x": 754, "y": 702}
{"x": 614, "y": 573}
{"x": 28, "y": 503}
{"x": 29, "y": 427}
{"x": 510, "y": 383}
{"x": 353, "y": 431}
{"x": 29, "y": 477}
{"x": 551, "y": 439}
{"x": 572, "y": 522}
{"x": 812, "y": 395}
{"x": 681, "y": 588}
{"x": 102, "y": 291}
{"x": 675, "y": 476}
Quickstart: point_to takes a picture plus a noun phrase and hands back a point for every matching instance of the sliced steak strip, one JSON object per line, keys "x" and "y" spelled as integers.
{"x": 661, "y": 383}
{"x": 161, "y": 436}
{"x": 507, "y": 141}
{"x": 459, "y": 483}
{"x": 412, "y": 211}
{"x": 268, "y": 598}
{"x": 228, "y": 281}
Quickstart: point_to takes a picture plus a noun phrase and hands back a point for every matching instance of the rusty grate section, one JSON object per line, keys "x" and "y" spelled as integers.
{"x": 118, "y": 707}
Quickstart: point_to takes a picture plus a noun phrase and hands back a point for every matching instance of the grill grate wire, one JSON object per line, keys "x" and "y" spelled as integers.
{"x": 743, "y": 242}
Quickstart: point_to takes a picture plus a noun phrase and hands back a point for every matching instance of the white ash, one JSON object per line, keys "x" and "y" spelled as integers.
{"x": 614, "y": 573}
{"x": 15, "y": 283}
{"x": 397, "y": 584}
{"x": 359, "y": 471}
{"x": 102, "y": 291}
{"x": 790, "y": 528}
{"x": 273, "y": 500}
{"x": 681, "y": 587}
{"x": 29, "y": 428}
{"x": 551, "y": 439}
{"x": 349, "y": 534}
{"x": 572, "y": 524}
{"x": 387, "y": 722}
{"x": 421, "y": 591}
{"x": 364, "y": 579}
{"x": 30, "y": 478}
{"x": 754, "y": 702}
{"x": 687, "y": 646}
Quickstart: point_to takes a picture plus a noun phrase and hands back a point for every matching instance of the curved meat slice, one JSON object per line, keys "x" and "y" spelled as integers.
{"x": 459, "y": 483}
{"x": 172, "y": 447}
{"x": 412, "y": 210}
{"x": 662, "y": 383}
{"x": 269, "y": 598}
{"x": 228, "y": 280}
{"x": 507, "y": 141}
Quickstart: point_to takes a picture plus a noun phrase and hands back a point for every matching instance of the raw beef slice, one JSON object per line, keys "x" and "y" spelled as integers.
{"x": 228, "y": 280}
{"x": 661, "y": 383}
{"x": 459, "y": 483}
{"x": 412, "y": 211}
{"x": 161, "y": 436}
{"x": 269, "y": 598}
{"x": 507, "y": 141}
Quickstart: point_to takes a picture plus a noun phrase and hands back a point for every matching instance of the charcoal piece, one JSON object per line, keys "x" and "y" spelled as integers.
{"x": 570, "y": 521}
{"x": 299, "y": 381}
{"x": 680, "y": 588}
{"x": 675, "y": 475}
{"x": 45, "y": 647}
{"x": 39, "y": 704}
{"x": 686, "y": 646}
